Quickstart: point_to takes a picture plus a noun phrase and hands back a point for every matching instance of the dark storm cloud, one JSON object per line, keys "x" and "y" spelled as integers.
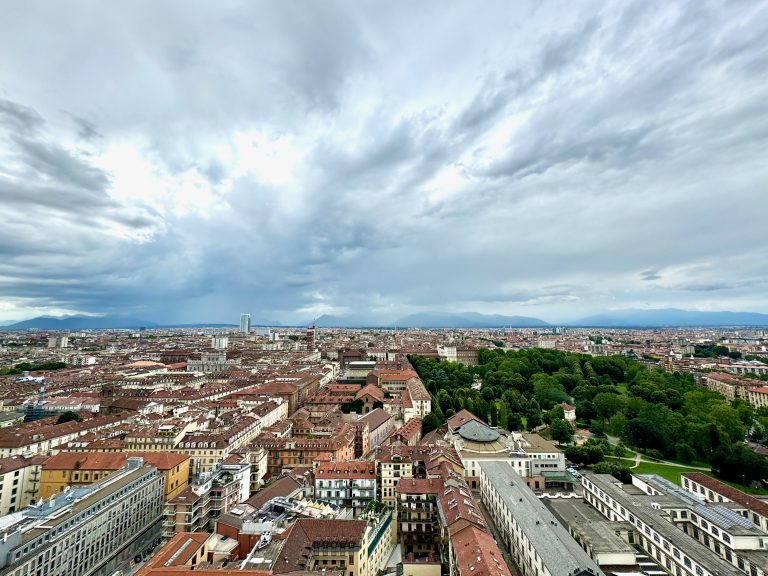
{"x": 337, "y": 157}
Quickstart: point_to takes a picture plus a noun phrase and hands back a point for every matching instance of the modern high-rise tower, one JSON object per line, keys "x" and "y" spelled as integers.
{"x": 245, "y": 323}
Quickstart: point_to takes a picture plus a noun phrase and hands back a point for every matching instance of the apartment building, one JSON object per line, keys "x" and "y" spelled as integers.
{"x": 161, "y": 437}
{"x": 417, "y": 516}
{"x": 209, "y": 495}
{"x": 19, "y": 482}
{"x": 686, "y": 536}
{"x": 87, "y": 530}
{"x": 420, "y": 399}
{"x": 396, "y": 463}
{"x": 347, "y": 484}
{"x": 758, "y": 397}
{"x": 441, "y": 524}
{"x": 730, "y": 386}
{"x": 72, "y": 469}
{"x": 207, "y": 448}
{"x": 289, "y": 452}
{"x": 32, "y": 438}
{"x": 536, "y": 540}
{"x": 348, "y": 547}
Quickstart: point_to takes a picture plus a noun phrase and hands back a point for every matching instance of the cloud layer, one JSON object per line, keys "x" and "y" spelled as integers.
{"x": 187, "y": 161}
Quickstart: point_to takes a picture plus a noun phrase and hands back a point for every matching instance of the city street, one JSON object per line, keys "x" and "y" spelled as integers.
{"x": 507, "y": 558}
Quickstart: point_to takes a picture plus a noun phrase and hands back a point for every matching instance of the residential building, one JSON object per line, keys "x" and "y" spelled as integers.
{"x": 290, "y": 452}
{"x": 19, "y": 482}
{"x": 569, "y": 413}
{"x": 208, "y": 496}
{"x": 58, "y": 341}
{"x": 420, "y": 400}
{"x": 72, "y": 469}
{"x": 347, "y": 484}
{"x": 758, "y": 397}
{"x": 351, "y": 547}
{"x": 729, "y": 385}
{"x": 88, "y": 530}
{"x": 42, "y": 439}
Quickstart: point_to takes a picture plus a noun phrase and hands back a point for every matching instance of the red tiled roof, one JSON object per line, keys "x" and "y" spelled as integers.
{"x": 750, "y": 502}
{"x": 111, "y": 460}
{"x": 478, "y": 554}
{"x": 460, "y": 418}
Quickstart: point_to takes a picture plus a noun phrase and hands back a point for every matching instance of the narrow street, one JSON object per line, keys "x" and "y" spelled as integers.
{"x": 496, "y": 536}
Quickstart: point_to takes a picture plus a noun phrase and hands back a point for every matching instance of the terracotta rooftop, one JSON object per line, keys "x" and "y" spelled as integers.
{"x": 750, "y": 502}
{"x": 111, "y": 460}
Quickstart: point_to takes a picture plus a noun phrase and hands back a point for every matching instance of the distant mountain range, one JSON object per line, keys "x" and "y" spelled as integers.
{"x": 670, "y": 317}
{"x": 468, "y": 320}
{"x": 632, "y": 318}
{"x": 434, "y": 320}
{"x": 98, "y": 323}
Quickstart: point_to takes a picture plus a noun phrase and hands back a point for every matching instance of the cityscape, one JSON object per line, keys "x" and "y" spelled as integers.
{"x": 418, "y": 452}
{"x": 358, "y": 288}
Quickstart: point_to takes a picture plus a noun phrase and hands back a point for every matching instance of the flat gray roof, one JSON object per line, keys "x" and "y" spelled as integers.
{"x": 560, "y": 553}
{"x": 640, "y": 506}
{"x": 588, "y": 523}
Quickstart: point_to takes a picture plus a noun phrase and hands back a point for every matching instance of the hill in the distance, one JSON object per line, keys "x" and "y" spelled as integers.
{"x": 104, "y": 323}
{"x": 468, "y": 320}
{"x": 671, "y": 317}
{"x": 79, "y": 323}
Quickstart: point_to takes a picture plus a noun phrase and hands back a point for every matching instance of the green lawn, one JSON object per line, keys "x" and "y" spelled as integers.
{"x": 671, "y": 473}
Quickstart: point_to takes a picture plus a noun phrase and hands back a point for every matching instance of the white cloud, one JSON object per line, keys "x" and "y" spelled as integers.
{"x": 528, "y": 158}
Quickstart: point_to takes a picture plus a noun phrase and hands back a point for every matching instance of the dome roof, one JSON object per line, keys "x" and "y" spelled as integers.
{"x": 475, "y": 431}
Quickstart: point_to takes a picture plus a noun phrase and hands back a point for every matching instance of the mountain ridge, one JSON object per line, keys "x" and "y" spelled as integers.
{"x": 625, "y": 318}
{"x": 670, "y": 318}
{"x": 106, "y": 323}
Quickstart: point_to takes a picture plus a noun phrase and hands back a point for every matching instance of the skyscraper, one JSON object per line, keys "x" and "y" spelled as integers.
{"x": 245, "y": 323}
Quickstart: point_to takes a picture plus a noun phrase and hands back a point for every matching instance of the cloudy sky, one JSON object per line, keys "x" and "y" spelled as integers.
{"x": 186, "y": 161}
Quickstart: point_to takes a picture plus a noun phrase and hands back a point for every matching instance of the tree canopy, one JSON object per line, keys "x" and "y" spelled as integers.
{"x": 665, "y": 415}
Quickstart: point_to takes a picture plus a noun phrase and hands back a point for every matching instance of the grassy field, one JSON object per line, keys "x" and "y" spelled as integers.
{"x": 671, "y": 473}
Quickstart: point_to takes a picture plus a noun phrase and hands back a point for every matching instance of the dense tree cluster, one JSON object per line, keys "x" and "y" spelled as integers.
{"x": 69, "y": 417}
{"x": 27, "y": 367}
{"x": 714, "y": 351}
{"x": 664, "y": 415}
